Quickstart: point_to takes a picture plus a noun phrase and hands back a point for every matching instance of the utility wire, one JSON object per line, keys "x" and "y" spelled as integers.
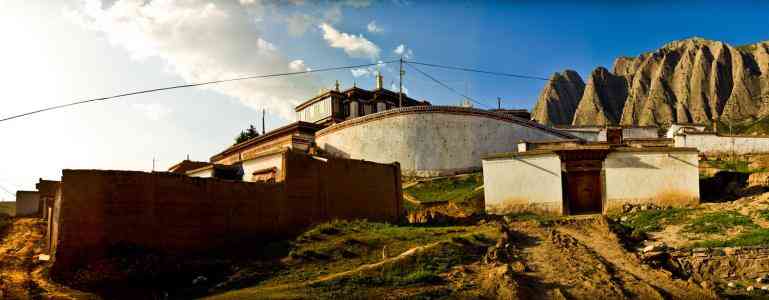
{"x": 7, "y": 191}
{"x": 443, "y": 84}
{"x": 479, "y": 71}
{"x": 191, "y": 85}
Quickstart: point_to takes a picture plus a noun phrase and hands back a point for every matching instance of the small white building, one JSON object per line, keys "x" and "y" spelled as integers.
{"x": 590, "y": 178}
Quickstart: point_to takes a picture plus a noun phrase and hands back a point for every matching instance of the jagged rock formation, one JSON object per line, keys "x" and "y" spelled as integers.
{"x": 603, "y": 99}
{"x": 559, "y": 99}
{"x": 688, "y": 81}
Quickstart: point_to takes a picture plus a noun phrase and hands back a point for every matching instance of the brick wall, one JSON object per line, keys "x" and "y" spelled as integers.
{"x": 178, "y": 214}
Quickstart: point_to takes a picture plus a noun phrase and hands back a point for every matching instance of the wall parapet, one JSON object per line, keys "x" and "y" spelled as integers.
{"x": 441, "y": 109}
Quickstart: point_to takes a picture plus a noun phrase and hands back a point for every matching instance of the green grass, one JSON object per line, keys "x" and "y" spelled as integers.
{"x": 655, "y": 220}
{"x": 755, "y": 127}
{"x": 8, "y": 208}
{"x": 340, "y": 246}
{"x": 541, "y": 219}
{"x": 750, "y": 238}
{"x": 741, "y": 166}
{"x": 718, "y": 222}
{"x": 763, "y": 214}
{"x": 447, "y": 189}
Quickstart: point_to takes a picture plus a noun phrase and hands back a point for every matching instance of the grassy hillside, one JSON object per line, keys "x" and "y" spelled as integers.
{"x": 457, "y": 188}
{"x": 756, "y": 127}
{"x": 358, "y": 259}
{"x": 8, "y": 208}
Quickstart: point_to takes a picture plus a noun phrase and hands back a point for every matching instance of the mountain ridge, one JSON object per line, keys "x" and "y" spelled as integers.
{"x": 693, "y": 80}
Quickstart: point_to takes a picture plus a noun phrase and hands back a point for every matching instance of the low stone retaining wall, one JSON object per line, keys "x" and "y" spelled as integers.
{"x": 718, "y": 264}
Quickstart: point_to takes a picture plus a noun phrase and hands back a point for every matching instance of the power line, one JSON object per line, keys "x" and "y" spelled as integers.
{"x": 191, "y": 85}
{"x": 7, "y": 191}
{"x": 479, "y": 71}
{"x": 443, "y": 84}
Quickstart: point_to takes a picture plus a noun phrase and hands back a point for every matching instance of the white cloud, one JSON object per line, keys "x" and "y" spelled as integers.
{"x": 369, "y": 71}
{"x": 394, "y": 87}
{"x": 297, "y": 65}
{"x": 204, "y": 41}
{"x": 404, "y": 51}
{"x": 374, "y": 28}
{"x": 355, "y": 46}
{"x": 298, "y": 24}
{"x": 360, "y": 72}
{"x": 153, "y": 111}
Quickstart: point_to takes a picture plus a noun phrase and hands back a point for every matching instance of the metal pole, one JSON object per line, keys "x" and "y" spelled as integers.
{"x": 263, "y": 112}
{"x": 499, "y": 102}
{"x": 400, "y": 85}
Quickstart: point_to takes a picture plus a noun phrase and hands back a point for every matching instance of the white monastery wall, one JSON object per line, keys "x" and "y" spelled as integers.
{"x": 663, "y": 177}
{"x": 524, "y": 182}
{"x": 261, "y": 163}
{"x": 430, "y": 141}
{"x": 710, "y": 143}
{"x": 205, "y": 173}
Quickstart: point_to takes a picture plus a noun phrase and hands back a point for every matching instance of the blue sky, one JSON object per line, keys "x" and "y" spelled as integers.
{"x": 61, "y": 51}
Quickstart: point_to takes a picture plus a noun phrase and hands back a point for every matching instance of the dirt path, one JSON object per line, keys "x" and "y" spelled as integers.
{"x": 22, "y": 276}
{"x": 586, "y": 261}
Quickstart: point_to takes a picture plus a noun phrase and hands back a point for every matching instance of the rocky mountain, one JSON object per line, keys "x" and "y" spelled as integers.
{"x": 688, "y": 81}
{"x": 559, "y": 99}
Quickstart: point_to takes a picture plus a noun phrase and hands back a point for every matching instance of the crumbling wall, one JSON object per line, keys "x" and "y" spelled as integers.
{"x": 717, "y": 264}
{"x": 27, "y": 204}
{"x": 183, "y": 215}
{"x": 525, "y": 182}
{"x": 664, "y": 177}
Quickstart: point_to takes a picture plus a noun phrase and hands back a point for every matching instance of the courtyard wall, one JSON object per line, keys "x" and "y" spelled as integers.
{"x": 174, "y": 213}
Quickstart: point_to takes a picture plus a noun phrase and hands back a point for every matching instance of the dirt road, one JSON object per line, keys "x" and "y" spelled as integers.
{"x": 586, "y": 261}
{"x": 22, "y": 276}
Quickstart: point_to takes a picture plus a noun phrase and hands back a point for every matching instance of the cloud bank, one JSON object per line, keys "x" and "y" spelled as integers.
{"x": 206, "y": 41}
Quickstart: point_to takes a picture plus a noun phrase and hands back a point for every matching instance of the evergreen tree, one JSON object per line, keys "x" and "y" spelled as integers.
{"x": 247, "y": 134}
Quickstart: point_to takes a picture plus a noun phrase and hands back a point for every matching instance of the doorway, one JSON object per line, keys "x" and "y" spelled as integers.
{"x": 583, "y": 192}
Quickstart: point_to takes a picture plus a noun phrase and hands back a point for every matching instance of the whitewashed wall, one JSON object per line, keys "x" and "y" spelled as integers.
{"x": 428, "y": 143}
{"x": 205, "y": 173}
{"x": 662, "y": 177}
{"x": 677, "y": 128}
{"x": 27, "y": 203}
{"x": 715, "y": 144}
{"x": 260, "y": 163}
{"x": 633, "y": 133}
{"x": 524, "y": 182}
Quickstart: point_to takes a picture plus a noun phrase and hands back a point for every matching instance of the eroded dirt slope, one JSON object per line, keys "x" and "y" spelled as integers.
{"x": 22, "y": 276}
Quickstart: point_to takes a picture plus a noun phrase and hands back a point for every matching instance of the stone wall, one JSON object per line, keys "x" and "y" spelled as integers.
{"x": 720, "y": 264}
{"x": 713, "y": 144}
{"x": 668, "y": 176}
{"x": 185, "y": 215}
{"x": 530, "y": 182}
{"x": 27, "y": 204}
{"x": 431, "y": 140}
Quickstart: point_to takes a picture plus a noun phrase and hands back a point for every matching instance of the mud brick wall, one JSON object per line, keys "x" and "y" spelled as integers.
{"x": 731, "y": 263}
{"x": 177, "y": 214}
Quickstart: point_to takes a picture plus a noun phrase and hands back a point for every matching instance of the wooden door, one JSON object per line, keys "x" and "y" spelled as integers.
{"x": 584, "y": 194}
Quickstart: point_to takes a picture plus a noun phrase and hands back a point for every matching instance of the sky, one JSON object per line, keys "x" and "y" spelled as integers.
{"x": 56, "y": 52}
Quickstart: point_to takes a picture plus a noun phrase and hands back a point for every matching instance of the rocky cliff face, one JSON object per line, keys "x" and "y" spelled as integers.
{"x": 559, "y": 99}
{"x": 687, "y": 81}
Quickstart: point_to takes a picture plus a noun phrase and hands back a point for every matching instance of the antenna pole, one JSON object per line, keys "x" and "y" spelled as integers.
{"x": 499, "y": 102}
{"x": 263, "y": 112}
{"x": 400, "y": 85}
